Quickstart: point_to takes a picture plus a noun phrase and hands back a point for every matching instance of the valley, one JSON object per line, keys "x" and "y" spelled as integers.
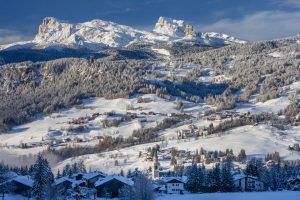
{"x": 117, "y": 100}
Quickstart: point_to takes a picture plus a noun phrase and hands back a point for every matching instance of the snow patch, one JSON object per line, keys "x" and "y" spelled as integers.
{"x": 276, "y": 54}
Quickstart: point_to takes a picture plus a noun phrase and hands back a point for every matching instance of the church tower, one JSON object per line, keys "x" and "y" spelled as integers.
{"x": 155, "y": 169}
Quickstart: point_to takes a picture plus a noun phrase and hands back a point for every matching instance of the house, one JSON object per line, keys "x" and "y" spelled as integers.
{"x": 92, "y": 177}
{"x": 78, "y": 176}
{"x": 171, "y": 114}
{"x": 78, "y": 180}
{"x": 63, "y": 183}
{"x": 79, "y": 183}
{"x": 219, "y": 116}
{"x": 22, "y": 185}
{"x": 247, "y": 183}
{"x": 111, "y": 185}
{"x": 174, "y": 185}
{"x": 159, "y": 188}
{"x": 151, "y": 113}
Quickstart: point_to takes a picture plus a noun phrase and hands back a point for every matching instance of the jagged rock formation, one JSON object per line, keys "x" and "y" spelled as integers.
{"x": 98, "y": 35}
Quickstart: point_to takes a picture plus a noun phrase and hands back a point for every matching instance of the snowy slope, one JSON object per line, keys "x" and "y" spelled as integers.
{"x": 257, "y": 141}
{"x": 98, "y": 34}
{"x": 37, "y": 130}
{"x": 213, "y": 38}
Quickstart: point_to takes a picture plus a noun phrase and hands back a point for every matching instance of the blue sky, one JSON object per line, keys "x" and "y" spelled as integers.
{"x": 247, "y": 19}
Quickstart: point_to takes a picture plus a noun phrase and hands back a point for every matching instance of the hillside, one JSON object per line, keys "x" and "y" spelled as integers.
{"x": 201, "y": 106}
{"x": 193, "y": 83}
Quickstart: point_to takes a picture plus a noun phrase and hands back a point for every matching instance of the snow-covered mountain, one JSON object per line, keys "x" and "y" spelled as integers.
{"x": 95, "y": 34}
{"x": 98, "y": 34}
{"x": 180, "y": 30}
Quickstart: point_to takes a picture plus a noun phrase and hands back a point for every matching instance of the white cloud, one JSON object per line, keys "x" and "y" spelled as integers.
{"x": 293, "y": 3}
{"x": 9, "y": 36}
{"x": 259, "y": 26}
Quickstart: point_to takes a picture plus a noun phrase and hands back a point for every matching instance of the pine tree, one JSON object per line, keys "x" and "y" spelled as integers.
{"x": 74, "y": 168}
{"x": 142, "y": 188}
{"x": 226, "y": 176}
{"x": 242, "y": 156}
{"x": 210, "y": 129}
{"x": 197, "y": 157}
{"x": 127, "y": 193}
{"x": 191, "y": 184}
{"x": 217, "y": 177}
{"x": 42, "y": 178}
{"x": 67, "y": 170}
{"x": 200, "y": 179}
{"x": 173, "y": 161}
{"x": 5, "y": 184}
{"x": 122, "y": 172}
{"x": 129, "y": 173}
{"x": 252, "y": 168}
{"x": 58, "y": 175}
{"x": 81, "y": 167}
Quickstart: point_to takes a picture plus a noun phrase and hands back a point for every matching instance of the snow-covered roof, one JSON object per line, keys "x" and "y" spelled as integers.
{"x": 61, "y": 180}
{"x": 92, "y": 175}
{"x": 294, "y": 178}
{"x": 155, "y": 185}
{"x": 241, "y": 176}
{"x": 25, "y": 180}
{"x": 116, "y": 177}
{"x": 162, "y": 188}
{"x": 170, "y": 179}
{"x": 238, "y": 176}
{"x": 77, "y": 174}
{"x": 11, "y": 175}
{"x": 77, "y": 182}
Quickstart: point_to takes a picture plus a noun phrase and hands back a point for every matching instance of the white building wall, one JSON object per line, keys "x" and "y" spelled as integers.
{"x": 174, "y": 188}
{"x": 251, "y": 184}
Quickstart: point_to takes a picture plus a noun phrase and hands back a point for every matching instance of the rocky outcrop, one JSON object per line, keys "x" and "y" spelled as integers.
{"x": 170, "y": 27}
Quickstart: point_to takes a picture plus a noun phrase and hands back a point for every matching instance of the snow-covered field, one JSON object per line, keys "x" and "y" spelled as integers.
{"x": 38, "y": 129}
{"x": 164, "y": 52}
{"x": 270, "y": 106}
{"x": 288, "y": 195}
{"x": 256, "y": 140}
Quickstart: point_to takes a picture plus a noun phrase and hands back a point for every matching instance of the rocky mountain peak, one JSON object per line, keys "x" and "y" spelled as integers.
{"x": 172, "y": 27}
{"x": 98, "y": 34}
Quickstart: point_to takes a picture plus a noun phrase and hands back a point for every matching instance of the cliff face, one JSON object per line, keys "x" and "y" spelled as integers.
{"x": 170, "y": 27}
{"x": 52, "y": 29}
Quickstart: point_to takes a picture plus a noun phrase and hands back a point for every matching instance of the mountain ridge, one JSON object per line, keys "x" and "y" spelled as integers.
{"x": 98, "y": 35}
